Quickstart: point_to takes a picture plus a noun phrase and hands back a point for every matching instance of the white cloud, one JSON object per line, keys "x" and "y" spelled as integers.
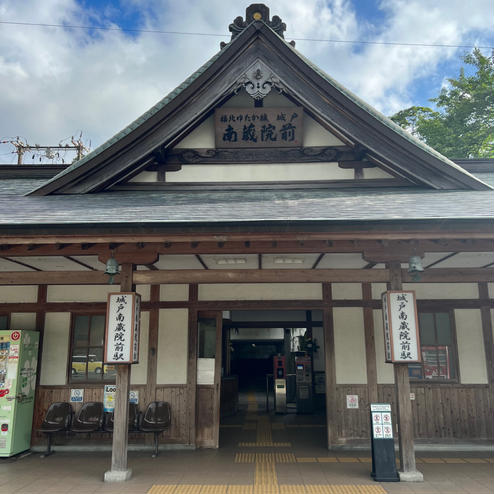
{"x": 57, "y": 82}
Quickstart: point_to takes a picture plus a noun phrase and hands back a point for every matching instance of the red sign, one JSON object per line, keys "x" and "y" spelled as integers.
{"x": 15, "y": 335}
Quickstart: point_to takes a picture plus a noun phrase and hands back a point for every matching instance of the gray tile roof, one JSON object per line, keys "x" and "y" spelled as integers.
{"x": 213, "y": 207}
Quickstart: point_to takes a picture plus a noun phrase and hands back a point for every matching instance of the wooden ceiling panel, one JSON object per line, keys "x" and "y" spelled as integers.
{"x": 342, "y": 261}
{"x": 50, "y": 263}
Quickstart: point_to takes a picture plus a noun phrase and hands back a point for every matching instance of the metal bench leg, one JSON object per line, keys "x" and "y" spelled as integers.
{"x": 48, "y": 451}
{"x": 156, "y": 443}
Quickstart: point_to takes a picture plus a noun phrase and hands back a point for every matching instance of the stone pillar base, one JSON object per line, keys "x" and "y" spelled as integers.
{"x": 118, "y": 475}
{"x": 414, "y": 476}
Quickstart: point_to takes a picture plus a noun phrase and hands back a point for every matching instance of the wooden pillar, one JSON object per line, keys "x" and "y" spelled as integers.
{"x": 40, "y": 326}
{"x": 154, "y": 317}
{"x": 485, "y": 313}
{"x": 330, "y": 365}
{"x": 370, "y": 344}
{"x": 408, "y": 470}
{"x": 192, "y": 363}
{"x": 119, "y": 469}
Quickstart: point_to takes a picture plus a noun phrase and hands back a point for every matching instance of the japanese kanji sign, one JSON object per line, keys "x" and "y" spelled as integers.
{"x": 258, "y": 127}
{"x": 401, "y": 331}
{"x": 122, "y": 328}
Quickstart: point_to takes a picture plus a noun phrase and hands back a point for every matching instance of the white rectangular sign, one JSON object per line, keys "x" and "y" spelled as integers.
{"x": 401, "y": 330}
{"x": 382, "y": 427}
{"x": 352, "y": 401}
{"x": 77, "y": 395}
{"x": 109, "y": 397}
{"x": 122, "y": 328}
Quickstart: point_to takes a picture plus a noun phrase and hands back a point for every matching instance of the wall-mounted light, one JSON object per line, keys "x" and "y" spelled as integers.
{"x": 415, "y": 267}
{"x": 112, "y": 268}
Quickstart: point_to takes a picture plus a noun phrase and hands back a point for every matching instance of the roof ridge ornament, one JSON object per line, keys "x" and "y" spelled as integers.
{"x": 256, "y": 12}
{"x": 258, "y": 80}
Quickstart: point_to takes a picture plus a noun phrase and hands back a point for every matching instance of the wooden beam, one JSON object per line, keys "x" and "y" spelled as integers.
{"x": 262, "y": 247}
{"x": 408, "y": 469}
{"x": 370, "y": 345}
{"x": 179, "y": 276}
{"x": 40, "y": 325}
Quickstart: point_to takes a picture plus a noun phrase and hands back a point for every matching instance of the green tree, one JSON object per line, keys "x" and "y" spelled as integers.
{"x": 463, "y": 124}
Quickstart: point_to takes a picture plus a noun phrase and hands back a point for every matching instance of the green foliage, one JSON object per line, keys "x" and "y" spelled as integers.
{"x": 463, "y": 125}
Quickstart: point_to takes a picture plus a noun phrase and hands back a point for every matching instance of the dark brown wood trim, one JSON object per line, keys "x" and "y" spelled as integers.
{"x": 370, "y": 345}
{"x": 292, "y": 184}
{"x": 330, "y": 366}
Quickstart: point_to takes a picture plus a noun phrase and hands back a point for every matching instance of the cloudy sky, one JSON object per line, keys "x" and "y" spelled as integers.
{"x": 58, "y": 82}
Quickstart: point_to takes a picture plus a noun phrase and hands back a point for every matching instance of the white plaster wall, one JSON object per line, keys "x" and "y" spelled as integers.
{"x": 377, "y": 290}
{"x": 262, "y": 291}
{"x": 271, "y": 172}
{"x": 172, "y": 346}
{"x": 376, "y": 173}
{"x": 471, "y": 354}
{"x": 174, "y": 293}
{"x": 88, "y": 293}
{"x": 385, "y": 373}
{"x": 145, "y": 177}
{"x": 55, "y": 348}
{"x": 443, "y": 290}
{"x": 346, "y": 291}
{"x": 23, "y": 320}
{"x": 349, "y": 338}
{"x": 18, "y": 293}
{"x": 138, "y": 372}
{"x": 490, "y": 287}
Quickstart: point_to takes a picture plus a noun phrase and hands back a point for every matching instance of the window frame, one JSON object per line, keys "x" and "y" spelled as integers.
{"x": 86, "y": 381}
{"x": 453, "y": 357}
{"x": 7, "y": 314}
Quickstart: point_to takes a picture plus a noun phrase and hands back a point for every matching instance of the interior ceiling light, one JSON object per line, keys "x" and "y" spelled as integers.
{"x": 231, "y": 260}
{"x": 288, "y": 260}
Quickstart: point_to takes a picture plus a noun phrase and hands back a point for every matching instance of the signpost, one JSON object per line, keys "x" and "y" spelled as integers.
{"x": 382, "y": 444}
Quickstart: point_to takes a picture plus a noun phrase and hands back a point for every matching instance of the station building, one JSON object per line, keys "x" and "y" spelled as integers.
{"x": 259, "y": 209}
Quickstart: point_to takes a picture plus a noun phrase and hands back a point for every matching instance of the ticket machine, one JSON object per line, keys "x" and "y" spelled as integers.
{"x": 279, "y": 373}
{"x": 303, "y": 378}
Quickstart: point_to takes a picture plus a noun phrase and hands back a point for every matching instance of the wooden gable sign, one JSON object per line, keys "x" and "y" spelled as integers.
{"x": 258, "y": 127}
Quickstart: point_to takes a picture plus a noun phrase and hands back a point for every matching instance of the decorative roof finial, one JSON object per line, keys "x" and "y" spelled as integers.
{"x": 256, "y": 12}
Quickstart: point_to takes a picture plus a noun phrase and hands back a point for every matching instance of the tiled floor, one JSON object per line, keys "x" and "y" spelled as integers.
{"x": 271, "y": 455}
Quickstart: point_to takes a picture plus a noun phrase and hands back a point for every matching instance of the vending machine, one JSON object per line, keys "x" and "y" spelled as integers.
{"x": 18, "y": 362}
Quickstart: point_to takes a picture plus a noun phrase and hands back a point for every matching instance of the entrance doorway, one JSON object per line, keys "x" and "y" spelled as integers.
{"x": 272, "y": 358}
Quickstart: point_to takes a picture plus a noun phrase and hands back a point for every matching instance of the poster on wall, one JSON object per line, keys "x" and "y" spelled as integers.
{"x": 401, "y": 330}
{"x": 352, "y": 401}
{"x": 122, "y": 328}
{"x": 109, "y": 397}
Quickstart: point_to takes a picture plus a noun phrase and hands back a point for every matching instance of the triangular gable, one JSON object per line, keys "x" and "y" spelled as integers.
{"x": 147, "y": 139}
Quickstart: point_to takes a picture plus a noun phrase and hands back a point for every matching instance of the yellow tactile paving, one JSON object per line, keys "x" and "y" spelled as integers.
{"x": 240, "y": 489}
{"x": 162, "y": 489}
{"x": 328, "y": 459}
{"x": 365, "y": 460}
{"x": 265, "y": 474}
{"x": 292, "y": 489}
{"x": 306, "y": 460}
{"x": 347, "y": 459}
{"x": 284, "y": 458}
{"x": 214, "y": 489}
{"x": 454, "y": 460}
{"x": 277, "y": 426}
{"x": 188, "y": 489}
{"x": 475, "y": 460}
